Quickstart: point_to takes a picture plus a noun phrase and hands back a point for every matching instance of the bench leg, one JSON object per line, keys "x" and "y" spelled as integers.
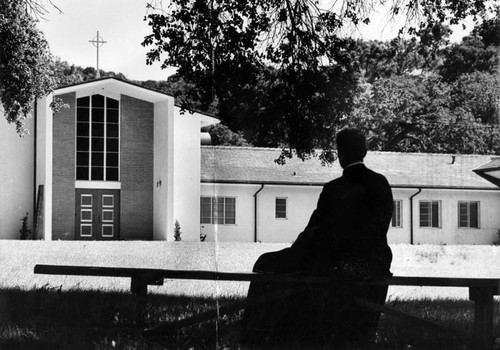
{"x": 483, "y": 317}
{"x": 139, "y": 287}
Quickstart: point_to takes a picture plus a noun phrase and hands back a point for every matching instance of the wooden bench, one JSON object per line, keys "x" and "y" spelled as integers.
{"x": 481, "y": 290}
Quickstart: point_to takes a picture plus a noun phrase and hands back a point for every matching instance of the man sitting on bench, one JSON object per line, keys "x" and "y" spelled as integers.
{"x": 346, "y": 238}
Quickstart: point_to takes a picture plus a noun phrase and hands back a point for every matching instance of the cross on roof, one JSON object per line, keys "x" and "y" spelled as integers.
{"x": 97, "y": 42}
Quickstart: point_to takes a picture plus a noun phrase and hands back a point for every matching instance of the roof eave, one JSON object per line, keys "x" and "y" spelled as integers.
{"x": 308, "y": 184}
{"x": 121, "y": 86}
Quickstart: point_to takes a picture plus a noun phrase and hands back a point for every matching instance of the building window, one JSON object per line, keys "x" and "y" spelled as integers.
{"x": 468, "y": 214}
{"x": 430, "y": 214}
{"x": 397, "y": 213}
{"x": 97, "y": 138}
{"x": 218, "y": 210}
{"x": 280, "y": 208}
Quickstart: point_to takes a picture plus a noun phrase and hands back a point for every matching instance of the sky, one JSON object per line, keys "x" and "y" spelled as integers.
{"x": 121, "y": 24}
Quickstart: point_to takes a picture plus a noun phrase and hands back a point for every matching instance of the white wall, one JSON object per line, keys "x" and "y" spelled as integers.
{"x": 186, "y": 183}
{"x": 44, "y": 160}
{"x": 302, "y": 200}
{"x": 16, "y": 179}
{"x": 402, "y": 234}
{"x": 243, "y": 230}
{"x": 449, "y": 232}
{"x": 163, "y": 169}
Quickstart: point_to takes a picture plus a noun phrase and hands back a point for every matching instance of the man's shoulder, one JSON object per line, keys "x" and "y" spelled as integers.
{"x": 375, "y": 177}
{"x": 364, "y": 173}
{"x": 375, "y": 174}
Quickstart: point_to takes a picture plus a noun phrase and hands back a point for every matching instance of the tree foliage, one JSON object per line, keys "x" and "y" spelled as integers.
{"x": 294, "y": 51}
{"x": 221, "y": 135}
{"x": 27, "y": 69}
{"x": 24, "y": 63}
{"x": 426, "y": 114}
{"x": 468, "y": 56}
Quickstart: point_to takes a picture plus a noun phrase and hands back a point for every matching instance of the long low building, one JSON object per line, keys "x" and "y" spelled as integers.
{"x": 438, "y": 198}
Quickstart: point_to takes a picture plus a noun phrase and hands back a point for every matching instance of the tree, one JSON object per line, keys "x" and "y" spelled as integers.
{"x": 223, "y": 46}
{"x": 25, "y": 63}
{"x": 420, "y": 114}
{"x": 185, "y": 93}
{"x": 468, "y": 56}
{"x": 478, "y": 93}
{"x": 221, "y": 135}
{"x": 489, "y": 30}
{"x": 399, "y": 56}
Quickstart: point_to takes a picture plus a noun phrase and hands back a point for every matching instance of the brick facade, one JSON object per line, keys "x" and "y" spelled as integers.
{"x": 63, "y": 157}
{"x": 136, "y": 168}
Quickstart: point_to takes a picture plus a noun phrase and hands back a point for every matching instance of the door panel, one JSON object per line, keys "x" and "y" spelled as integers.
{"x": 97, "y": 214}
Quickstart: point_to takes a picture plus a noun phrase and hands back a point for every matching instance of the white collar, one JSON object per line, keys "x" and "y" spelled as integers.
{"x": 352, "y": 164}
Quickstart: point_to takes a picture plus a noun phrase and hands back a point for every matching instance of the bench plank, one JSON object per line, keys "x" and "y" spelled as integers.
{"x": 157, "y": 274}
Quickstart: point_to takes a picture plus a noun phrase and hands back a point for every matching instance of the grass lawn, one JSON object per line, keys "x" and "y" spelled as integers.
{"x": 51, "y": 319}
{"x": 56, "y": 312}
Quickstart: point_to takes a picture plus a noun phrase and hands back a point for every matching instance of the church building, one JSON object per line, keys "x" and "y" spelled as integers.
{"x": 120, "y": 162}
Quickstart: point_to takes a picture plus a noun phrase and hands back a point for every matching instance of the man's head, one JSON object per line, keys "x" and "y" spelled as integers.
{"x": 351, "y": 146}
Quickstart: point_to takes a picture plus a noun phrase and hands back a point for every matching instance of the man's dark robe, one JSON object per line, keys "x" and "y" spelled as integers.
{"x": 345, "y": 237}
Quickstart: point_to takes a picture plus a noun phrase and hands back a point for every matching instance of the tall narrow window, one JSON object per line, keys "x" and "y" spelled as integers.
{"x": 218, "y": 210}
{"x": 280, "y": 208}
{"x": 468, "y": 214}
{"x": 396, "y": 213}
{"x": 430, "y": 215}
{"x": 97, "y": 138}
{"x": 206, "y": 210}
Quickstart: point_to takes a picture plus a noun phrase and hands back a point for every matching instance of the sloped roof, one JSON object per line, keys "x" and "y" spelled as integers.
{"x": 128, "y": 88}
{"x": 494, "y": 164}
{"x": 490, "y": 171}
{"x": 256, "y": 165}
{"x": 115, "y": 84}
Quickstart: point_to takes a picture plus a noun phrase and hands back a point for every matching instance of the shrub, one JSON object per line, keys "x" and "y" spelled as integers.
{"x": 24, "y": 231}
{"x": 177, "y": 231}
{"x": 202, "y": 236}
{"x": 497, "y": 241}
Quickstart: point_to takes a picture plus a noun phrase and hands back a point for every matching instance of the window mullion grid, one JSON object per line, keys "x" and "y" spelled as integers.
{"x": 119, "y": 141}
{"x": 105, "y": 146}
{"x": 467, "y": 215}
{"x": 214, "y": 210}
{"x": 90, "y": 138}
{"x": 464, "y": 210}
{"x": 212, "y": 218}
{"x": 224, "y": 210}
{"x": 398, "y": 214}
{"x": 431, "y": 213}
{"x": 428, "y": 219}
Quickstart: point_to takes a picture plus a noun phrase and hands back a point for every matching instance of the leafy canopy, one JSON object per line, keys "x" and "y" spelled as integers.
{"x": 25, "y": 73}
{"x": 224, "y": 48}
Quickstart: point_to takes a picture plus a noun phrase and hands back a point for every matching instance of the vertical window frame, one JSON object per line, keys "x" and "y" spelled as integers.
{"x": 90, "y": 168}
{"x": 431, "y": 205}
{"x": 222, "y": 210}
{"x": 278, "y": 211}
{"x": 397, "y": 214}
{"x": 208, "y": 202}
{"x": 468, "y": 214}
